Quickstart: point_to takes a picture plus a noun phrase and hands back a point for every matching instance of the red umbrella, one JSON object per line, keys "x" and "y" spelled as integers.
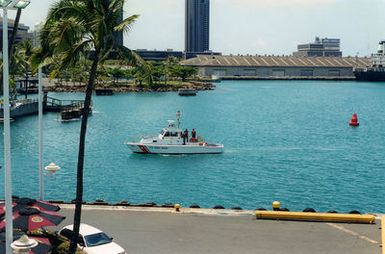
{"x": 29, "y": 219}
{"x": 20, "y": 203}
{"x": 43, "y": 247}
{"x": 2, "y": 211}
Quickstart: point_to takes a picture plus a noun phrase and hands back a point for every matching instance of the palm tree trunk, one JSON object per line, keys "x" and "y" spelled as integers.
{"x": 79, "y": 177}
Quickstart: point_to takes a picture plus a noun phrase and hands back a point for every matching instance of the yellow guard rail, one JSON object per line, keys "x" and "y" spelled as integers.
{"x": 319, "y": 217}
{"x": 383, "y": 234}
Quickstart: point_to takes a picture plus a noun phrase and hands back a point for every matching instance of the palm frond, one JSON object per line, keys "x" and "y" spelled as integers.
{"x": 126, "y": 24}
{"x": 116, "y": 5}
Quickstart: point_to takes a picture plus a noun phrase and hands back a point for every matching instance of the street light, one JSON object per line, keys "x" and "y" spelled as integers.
{"x": 52, "y": 168}
{"x": 40, "y": 128}
{"x": 5, "y": 3}
{"x": 23, "y": 245}
{"x": 8, "y": 4}
{"x": 21, "y": 4}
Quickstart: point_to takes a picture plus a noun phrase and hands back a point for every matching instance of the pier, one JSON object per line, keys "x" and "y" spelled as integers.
{"x": 69, "y": 109}
{"x": 56, "y": 105}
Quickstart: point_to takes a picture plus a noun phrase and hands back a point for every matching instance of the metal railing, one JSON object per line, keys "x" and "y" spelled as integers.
{"x": 58, "y": 104}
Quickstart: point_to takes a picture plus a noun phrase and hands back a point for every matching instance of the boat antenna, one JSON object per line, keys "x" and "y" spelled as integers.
{"x": 178, "y": 117}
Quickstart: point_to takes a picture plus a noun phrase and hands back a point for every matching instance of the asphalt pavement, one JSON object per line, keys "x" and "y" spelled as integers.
{"x": 147, "y": 230}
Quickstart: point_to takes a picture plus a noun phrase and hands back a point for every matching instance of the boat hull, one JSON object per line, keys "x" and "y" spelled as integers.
{"x": 175, "y": 149}
{"x": 370, "y": 75}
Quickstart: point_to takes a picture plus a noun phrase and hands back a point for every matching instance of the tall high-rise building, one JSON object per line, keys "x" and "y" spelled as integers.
{"x": 197, "y": 29}
{"x": 119, "y": 35}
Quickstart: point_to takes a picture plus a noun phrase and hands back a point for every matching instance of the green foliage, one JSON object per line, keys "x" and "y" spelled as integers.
{"x": 161, "y": 73}
{"x": 183, "y": 72}
{"x": 116, "y": 74}
{"x": 64, "y": 247}
{"x": 60, "y": 245}
{"x": 20, "y": 63}
{"x": 72, "y": 28}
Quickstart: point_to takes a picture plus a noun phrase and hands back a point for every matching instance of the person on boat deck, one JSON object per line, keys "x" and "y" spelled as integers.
{"x": 193, "y": 135}
{"x": 185, "y": 136}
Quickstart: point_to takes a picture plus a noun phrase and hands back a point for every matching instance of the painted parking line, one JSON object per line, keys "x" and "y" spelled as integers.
{"x": 350, "y": 232}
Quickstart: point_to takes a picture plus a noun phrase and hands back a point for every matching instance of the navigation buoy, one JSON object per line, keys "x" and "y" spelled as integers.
{"x": 354, "y": 121}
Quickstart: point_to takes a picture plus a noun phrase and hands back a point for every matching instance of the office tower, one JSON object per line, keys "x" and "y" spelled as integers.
{"x": 197, "y": 26}
{"x": 119, "y": 35}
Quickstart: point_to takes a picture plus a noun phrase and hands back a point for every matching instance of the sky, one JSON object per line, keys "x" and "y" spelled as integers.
{"x": 251, "y": 26}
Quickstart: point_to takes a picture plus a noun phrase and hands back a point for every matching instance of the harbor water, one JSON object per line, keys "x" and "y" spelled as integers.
{"x": 284, "y": 140}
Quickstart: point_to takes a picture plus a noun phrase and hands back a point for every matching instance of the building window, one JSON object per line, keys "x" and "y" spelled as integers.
{"x": 219, "y": 72}
{"x": 279, "y": 72}
{"x": 307, "y": 73}
{"x": 249, "y": 72}
{"x": 334, "y": 73}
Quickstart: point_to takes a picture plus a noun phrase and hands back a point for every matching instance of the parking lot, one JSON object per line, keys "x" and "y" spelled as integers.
{"x": 164, "y": 231}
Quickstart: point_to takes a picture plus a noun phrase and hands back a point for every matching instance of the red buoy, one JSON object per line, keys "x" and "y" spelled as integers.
{"x": 354, "y": 121}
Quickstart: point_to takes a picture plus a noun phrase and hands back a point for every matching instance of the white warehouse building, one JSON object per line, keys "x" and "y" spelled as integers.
{"x": 276, "y": 67}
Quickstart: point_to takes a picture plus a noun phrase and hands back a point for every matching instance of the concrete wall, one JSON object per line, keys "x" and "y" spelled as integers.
{"x": 276, "y": 71}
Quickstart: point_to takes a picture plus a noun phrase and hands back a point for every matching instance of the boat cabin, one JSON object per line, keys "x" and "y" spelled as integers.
{"x": 172, "y": 134}
{"x": 171, "y": 131}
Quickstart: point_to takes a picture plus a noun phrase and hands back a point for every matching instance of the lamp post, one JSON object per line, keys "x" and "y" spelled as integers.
{"x": 51, "y": 169}
{"x": 8, "y": 4}
{"x": 40, "y": 121}
{"x": 41, "y": 175}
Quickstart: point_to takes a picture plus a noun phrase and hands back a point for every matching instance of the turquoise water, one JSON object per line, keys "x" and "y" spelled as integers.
{"x": 284, "y": 140}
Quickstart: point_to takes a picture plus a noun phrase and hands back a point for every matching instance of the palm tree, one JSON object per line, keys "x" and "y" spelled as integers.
{"x": 168, "y": 65}
{"x": 12, "y": 41}
{"x": 72, "y": 29}
{"x": 20, "y": 61}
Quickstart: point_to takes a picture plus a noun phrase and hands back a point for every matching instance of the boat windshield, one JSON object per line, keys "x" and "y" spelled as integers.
{"x": 166, "y": 133}
{"x": 169, "y": 134}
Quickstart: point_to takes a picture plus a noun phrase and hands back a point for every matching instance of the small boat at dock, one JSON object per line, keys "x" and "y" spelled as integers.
{"x": 171, "y": 141}
{"x": 187, "y": 92}
{"x": 104, "y": 91}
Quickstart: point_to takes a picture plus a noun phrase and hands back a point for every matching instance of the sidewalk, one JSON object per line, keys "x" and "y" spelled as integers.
{"x": 162, "y": 231}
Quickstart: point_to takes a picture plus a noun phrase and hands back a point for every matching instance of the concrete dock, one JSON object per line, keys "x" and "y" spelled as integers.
{"x": 162, "y": 230}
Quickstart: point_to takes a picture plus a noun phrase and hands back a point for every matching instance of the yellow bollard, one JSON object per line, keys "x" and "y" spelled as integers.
{"x": 276, "y": 205}
{"x": 177, "y": 207}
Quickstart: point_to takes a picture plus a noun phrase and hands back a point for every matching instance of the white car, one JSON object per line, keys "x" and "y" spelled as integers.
{"x": 93, "y": 240}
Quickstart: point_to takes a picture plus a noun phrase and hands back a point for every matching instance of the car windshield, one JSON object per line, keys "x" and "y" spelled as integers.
{"x": 97, "y": 239}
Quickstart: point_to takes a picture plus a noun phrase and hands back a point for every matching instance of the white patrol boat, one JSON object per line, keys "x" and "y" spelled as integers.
{"x": 171, "y": 141}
